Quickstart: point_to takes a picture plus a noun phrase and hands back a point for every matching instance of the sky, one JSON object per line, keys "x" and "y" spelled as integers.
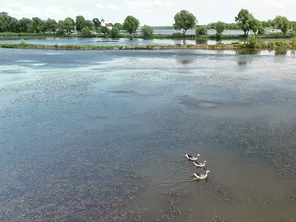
{"x": 149, "y": 12}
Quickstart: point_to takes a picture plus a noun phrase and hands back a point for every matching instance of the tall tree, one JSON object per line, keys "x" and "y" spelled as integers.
{"x": 243, "y": 19}
{"x": 69, "y": 25}
{"x": 37, "y": 25}
{"x": 61, "y": 27}
{"x": 282, "y": 23}
{"x": 24, "y": 24}
{"x": 131, "y": 24}
{"x": 4, "y": 22}
{"x": 13, "y": 25}
{"x": 51, "y": 25}
{"x": 80, "y": 22}
{"x": 89, "y": 24}
{"x": 220, "y": 26}
{"x": 97, "y": 23}
{"x": 184, "y": 20}
{"x": 256, "y": 26}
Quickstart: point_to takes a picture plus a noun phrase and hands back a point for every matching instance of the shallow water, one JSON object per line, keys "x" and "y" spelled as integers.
{"x": 116, "y": 42}
{"x": 101, "y": 135}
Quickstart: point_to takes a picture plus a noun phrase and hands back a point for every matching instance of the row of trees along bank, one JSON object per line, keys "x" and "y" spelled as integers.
{"x": 184, "y": 21}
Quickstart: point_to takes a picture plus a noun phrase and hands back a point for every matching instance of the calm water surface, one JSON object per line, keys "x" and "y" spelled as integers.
{"x": 101, "y": 135}
{"x": 121, "y": 41}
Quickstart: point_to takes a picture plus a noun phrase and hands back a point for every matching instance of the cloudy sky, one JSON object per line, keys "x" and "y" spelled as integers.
{"x": 150, "y": 12}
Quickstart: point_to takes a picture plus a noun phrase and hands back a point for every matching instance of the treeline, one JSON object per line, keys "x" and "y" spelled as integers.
{"x": 245, "y": 21}
{"x": 66, "y": 26}
{"x": 184, "y": 21}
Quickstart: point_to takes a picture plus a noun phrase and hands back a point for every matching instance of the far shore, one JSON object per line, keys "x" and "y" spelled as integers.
{"x": 234, "y": 46}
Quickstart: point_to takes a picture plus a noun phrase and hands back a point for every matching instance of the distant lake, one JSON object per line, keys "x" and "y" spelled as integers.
{"x": 192, "y": 32}
{"x": 109, "y": 41}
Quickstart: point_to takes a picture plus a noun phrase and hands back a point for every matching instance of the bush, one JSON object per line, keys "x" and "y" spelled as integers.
{"x": 114, "y": 32}
{"x": 22, "y": 42}
{"x": 85, "y": 32}
{"x": 252, "y": 41}
{"x": 201, "y": 30}
{"x": 147, "y": 32}
{"x": 177, "y": 35}
{"x": 293, "y": 43}
{"x": 104, "y": 30}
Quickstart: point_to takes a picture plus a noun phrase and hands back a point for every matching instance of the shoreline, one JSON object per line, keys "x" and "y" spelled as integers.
{"x": 235, "y": 46}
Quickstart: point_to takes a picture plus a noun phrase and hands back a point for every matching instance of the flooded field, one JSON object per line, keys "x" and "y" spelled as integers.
{"x": 102, "y": 135}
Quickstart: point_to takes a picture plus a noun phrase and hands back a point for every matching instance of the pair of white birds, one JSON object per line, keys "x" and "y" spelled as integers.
{"x": 199, "y": 176}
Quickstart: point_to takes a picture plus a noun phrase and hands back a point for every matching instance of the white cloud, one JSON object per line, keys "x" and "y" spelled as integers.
{"x": 54, "y": 10}
{"x": 137, "y": 4}
{"x": 277, "y": 5}
{"x": 162, "y": 3}
{"x": 113, "y": 6}
{"x": 99, "y": 6}
{"x": 30, "y": 10}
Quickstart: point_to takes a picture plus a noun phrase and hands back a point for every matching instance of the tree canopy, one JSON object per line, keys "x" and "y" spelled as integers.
{"x": 80, "y": 23}
{"x": 201, "y": 30}
{"x": 97, "y": 23}
{"x": 104, "y": 30}
{"x": 130, "y": 24}
{"x": 243, "y": 19}
{"x": 118, "y": 25}
{"x": 147, "y": 32}
{"x": 282, "y": 23}
{"x": 219, "y": 29}
{"x": 184, "y": 20}
{"x": 114, "y": 32}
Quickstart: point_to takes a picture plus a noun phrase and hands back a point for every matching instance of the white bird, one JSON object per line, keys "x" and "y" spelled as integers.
{"x": 200, "y": 164}
{"x": 192, "y": 158}
{"x": 201, "y": 176}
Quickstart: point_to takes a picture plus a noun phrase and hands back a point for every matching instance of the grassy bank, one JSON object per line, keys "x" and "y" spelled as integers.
{"x": 234, "y": 46}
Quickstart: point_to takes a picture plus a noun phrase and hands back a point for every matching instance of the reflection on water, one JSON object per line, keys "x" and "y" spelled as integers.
{"x": 281, "y": 51}
{"x": 101, "y": 136}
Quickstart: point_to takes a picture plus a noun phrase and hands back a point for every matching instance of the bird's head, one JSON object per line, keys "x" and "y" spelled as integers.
{"x": 208, "y": 171}
{"x": 198, "y": 155}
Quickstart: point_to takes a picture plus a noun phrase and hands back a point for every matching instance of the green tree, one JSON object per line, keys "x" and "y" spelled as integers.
{"x": 4, "y": 22}
{"x": 282, "y": 23}
{"x": 114, "y": 32}
{"x": 61, "y": 27}
{"x": 256, "y": 26}
{"x": 252, "y": 41}
{"x": 89, "y": 24}
{"x": 13, "y": 25}
{"x": 69, "y": 25}
{"x": 51, "y": 25}
{"x": 24, "y": 24}
{"x": 201, "y": 30}
{"x": 104, "y": 30}
{"x": 184, "y": 20}
{"x": 220, "y": 26}
{"x": 130, "y": 24}
{"x": 118, "y": 25}
{"x": 97, "y": 23}
{"x": 243, "y": 20}
{"x": 80, "y": 23}
{"x": 85, "y": 32}
{"x": 37, "y": 25}
{"x": 147, "y": 32}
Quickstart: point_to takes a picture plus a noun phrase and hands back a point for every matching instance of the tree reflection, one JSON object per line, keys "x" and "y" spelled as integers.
{"x": 281, "y": 51}
{"x": 201, "y": 42}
